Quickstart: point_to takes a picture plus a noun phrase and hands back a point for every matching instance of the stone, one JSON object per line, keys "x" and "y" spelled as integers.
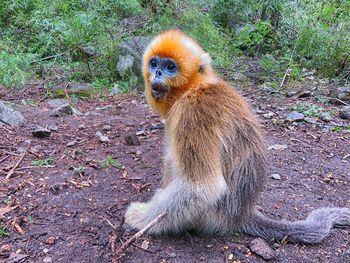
{"x": 261, "y": 248}
{"x": 276, "y": 176}
{"x": 342, "y": 94}
{"x": 268, "y": 115}
{"x": 101, "y": 137}
{"x": 41, "y": 132}
{"x": 295, "y": 116}
{"x": 52, "y": 127}
{"x": 277, "y": 147}
{"x": 104, "y": 139}
{"x": 72, "y": 143}
{"x": 107, "y": 127}
{"x": 10, "y": 117}
{"x": 55, "y": 103}
{"x": 131, "y": 50}
{"x": 79, "y": 89}
{"x": 115, "y": 90}
{"x": 131, "y": 139}
{"x": 124, "y": 64}
{"x": 344, "y": 113}
{"x": 64, "y": 110}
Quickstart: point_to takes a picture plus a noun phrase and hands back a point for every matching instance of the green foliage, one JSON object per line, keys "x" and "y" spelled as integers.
{"x": 315, "y": 32}
{"x": 13, "y": 68}
{"x": 313, "y": 110}
{"x": 3, "y": 231}
{"x": 82, "y": 37}
{"x": 43, "y": 162}
{"x": 338, "y": 128}
{"x": 109, "y": 161}
{"x": 79, "y": 169}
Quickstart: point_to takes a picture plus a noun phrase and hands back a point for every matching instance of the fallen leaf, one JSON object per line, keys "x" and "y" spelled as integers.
{"x": 17, "y": 227}
{"x": 145, "y": 244}
{"x": 80, "y": 185}
{"x": 6, "y": 209}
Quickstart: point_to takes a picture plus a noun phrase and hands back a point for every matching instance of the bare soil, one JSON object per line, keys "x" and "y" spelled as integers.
{"x": 71, "y": 210}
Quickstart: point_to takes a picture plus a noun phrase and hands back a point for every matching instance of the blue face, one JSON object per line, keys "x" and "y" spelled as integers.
{"x": 162, "y": 68}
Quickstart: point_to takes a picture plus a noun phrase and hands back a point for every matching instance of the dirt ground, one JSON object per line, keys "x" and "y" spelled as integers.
{"x": 70, "y": 208}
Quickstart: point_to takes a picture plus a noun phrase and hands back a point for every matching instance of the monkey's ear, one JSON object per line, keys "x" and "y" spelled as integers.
{"x": 205, "y": 60}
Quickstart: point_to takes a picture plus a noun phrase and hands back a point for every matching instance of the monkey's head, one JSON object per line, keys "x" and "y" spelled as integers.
{"x": 172, "y": 64}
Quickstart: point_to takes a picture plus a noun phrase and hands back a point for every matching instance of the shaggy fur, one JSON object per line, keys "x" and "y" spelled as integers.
{"x": 215, "y": 162}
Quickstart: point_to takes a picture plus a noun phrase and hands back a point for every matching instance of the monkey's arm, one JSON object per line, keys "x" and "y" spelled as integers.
{"x": 196, "y": 181}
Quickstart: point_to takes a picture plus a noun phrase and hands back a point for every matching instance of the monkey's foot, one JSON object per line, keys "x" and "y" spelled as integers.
{"x": 136, "y": 215}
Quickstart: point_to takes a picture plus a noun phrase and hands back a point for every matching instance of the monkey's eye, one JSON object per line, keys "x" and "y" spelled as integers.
{"x": 153, "y": 63}
{"x": 171, "y": 66}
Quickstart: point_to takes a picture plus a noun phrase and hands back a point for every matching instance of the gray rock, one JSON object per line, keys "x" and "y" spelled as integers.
{"x": 326, "y": 116}
{"x": 261, "y": 248}
{"x": 125, "y": 64}
{"x": 55, "y": 103}
{"x": 311, "y": 120}
{"x": 133, "y": 47}
{"x": 72, "y": 143}
{"x": 276, "y": 176}
{"x": 268, "y": 115}
{"x": 101, "y": 137}
{"x": 132, "y": 139}
{"x": 344, "y": 113}
{"x": 342, "y": 93}
{"x": 107, "y": 127}
{"x": 79, "y": 89}
{"x": 10, "y": 117}
{"x": 277, "y": 147}
{"x": 64, "y": 110}
{"x": 52, "y": 127}
{"x": 104, "y": 139}
{"x": 295, "y": 116}
{"x": 41, "y": 132}
{"x": 115, "y": 90}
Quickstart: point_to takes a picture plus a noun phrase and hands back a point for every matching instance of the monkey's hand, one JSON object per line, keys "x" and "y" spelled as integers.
{"x": 136, "y": 215}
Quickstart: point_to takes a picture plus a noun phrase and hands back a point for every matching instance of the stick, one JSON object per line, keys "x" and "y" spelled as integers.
{"x": 139, "y": 234}
{"x": 11, "y": 172}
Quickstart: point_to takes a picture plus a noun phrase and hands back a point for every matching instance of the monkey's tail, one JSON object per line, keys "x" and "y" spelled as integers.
{"x": 311, "y": 230}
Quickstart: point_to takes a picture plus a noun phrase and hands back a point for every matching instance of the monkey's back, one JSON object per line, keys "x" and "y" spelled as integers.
{"x": 216, "y": 116}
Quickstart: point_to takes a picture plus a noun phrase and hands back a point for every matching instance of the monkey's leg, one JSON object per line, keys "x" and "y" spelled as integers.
{"x": 183, "y": 204}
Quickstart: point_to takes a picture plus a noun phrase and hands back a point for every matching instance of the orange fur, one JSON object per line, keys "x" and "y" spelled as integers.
{"x": 170, "y": 44}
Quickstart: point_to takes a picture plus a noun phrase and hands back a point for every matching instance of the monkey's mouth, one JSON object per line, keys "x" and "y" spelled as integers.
{"x": 159, "y": 90}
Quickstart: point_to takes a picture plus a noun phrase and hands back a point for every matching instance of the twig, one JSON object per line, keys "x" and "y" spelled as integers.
{"x": 11, "y": 172}
{"x": 3, "y": 159}
{"x": 139, "y": 234}
{"x": 288, "y": 69}
{"x": 109, "y": 222}
{"x": 339, "y": 100}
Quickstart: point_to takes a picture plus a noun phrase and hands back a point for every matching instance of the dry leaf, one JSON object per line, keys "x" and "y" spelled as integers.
{"x": 6, "y": 209}
{"x": 145, "y": 244}
{"x": 80, "y": 185}
{"x": 17, "y": 227}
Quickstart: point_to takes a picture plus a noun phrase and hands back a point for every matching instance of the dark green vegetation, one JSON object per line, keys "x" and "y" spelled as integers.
{"x": 82, "y": 37}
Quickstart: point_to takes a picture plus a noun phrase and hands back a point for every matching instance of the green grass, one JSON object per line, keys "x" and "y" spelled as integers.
{"x": 341, "y": 128}
{"x": 110, "y": 162}
{"x": 3, "y": 231}
{"x": 43, "y": 162}
{"x": 40, "y": 35}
